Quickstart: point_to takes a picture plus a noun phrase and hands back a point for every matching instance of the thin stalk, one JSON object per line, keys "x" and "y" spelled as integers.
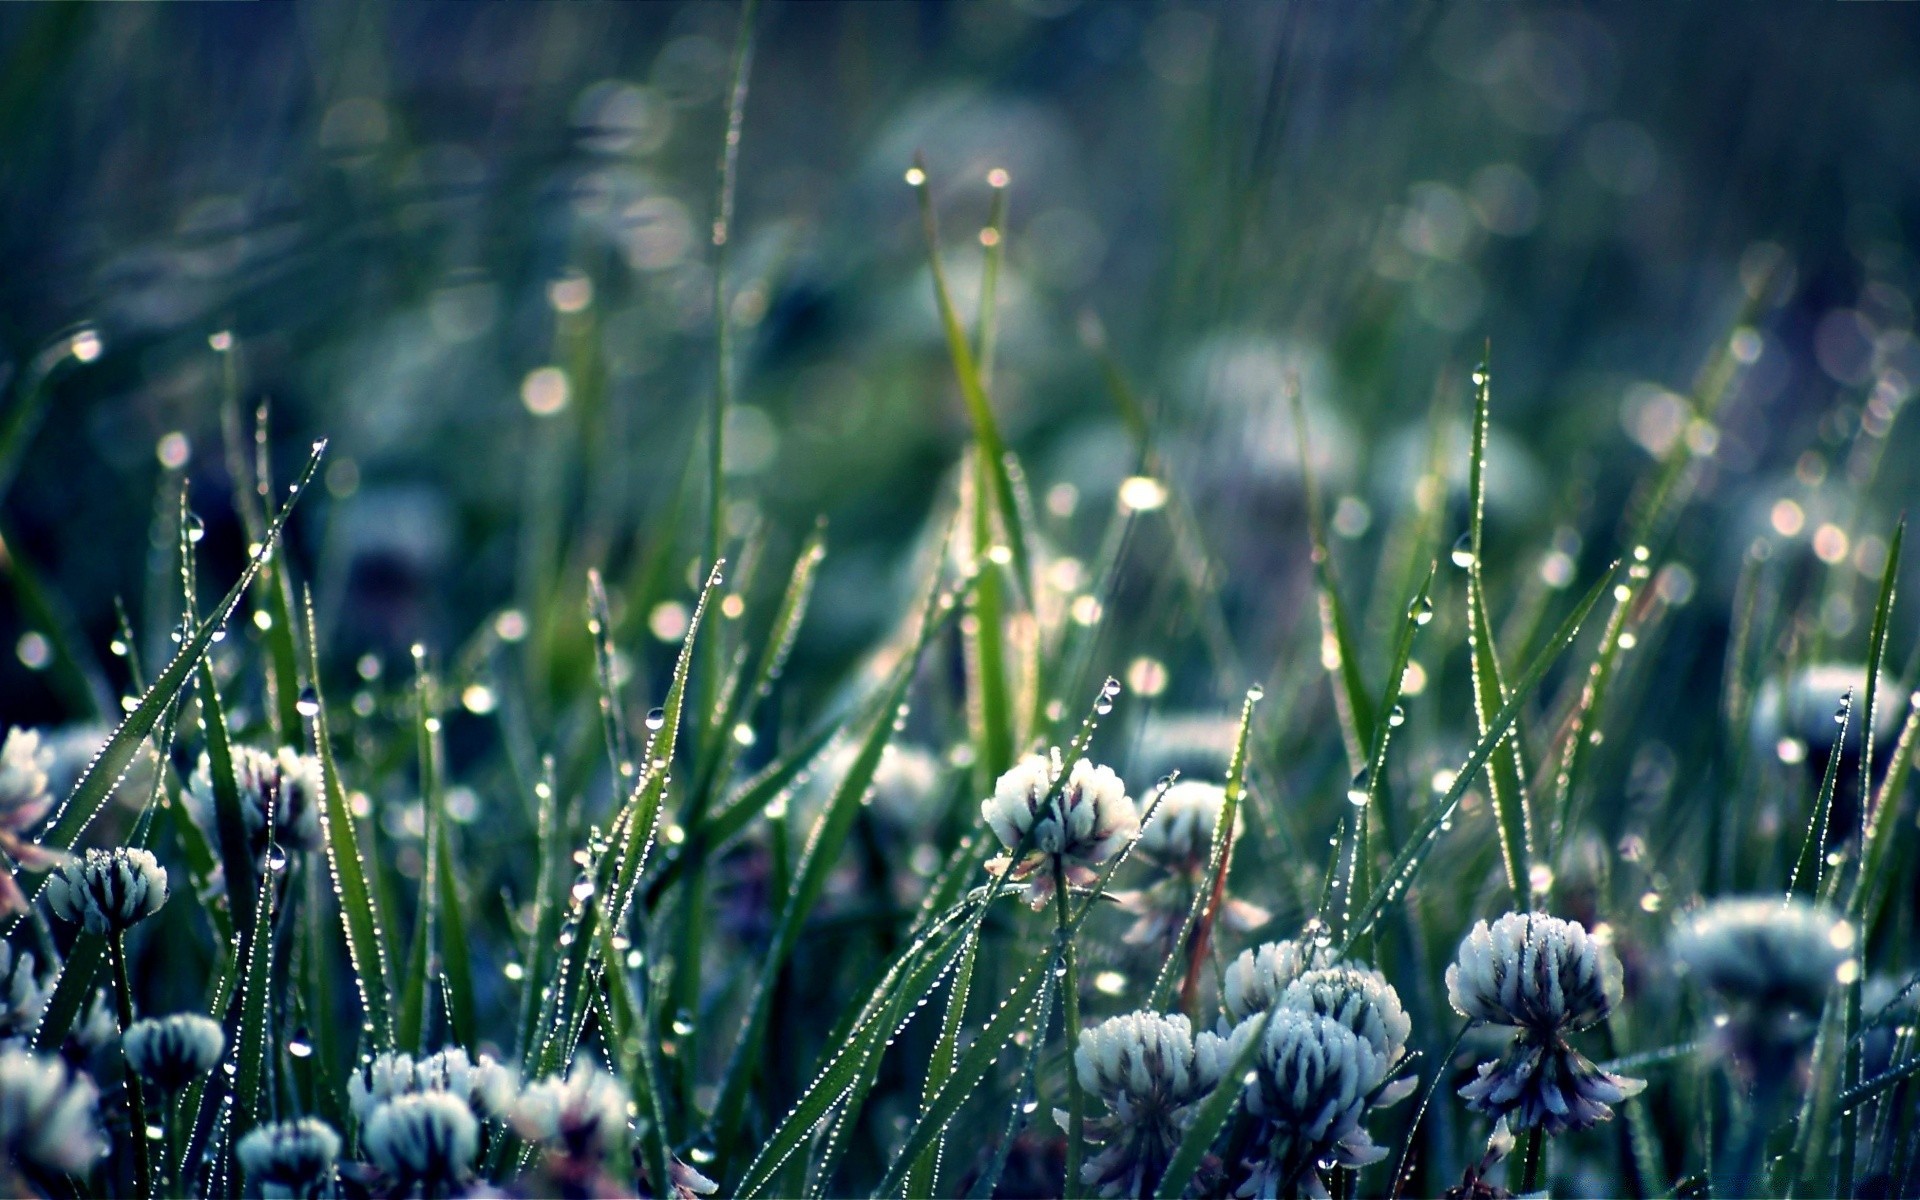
{"x": 136, "y": 1097}
{"x": 1070, "y": 993}
{"x": 1533, "y": 1161}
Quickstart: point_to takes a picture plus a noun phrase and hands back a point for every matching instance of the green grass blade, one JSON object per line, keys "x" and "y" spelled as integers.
{"x": 90, "y": 793}
{"x": 1576, "y": 745}
{"x": 1351, "y": 701}
{"x": 817, "y": 861}
{"x": 1506, "y": 786}
{"x": 417, "y": 985}
{"x": 1212, "y": 1115}
{"x": 359, "y": 913}
{"x": 236, "y": 855}
{"x": 257, "y": 987}
{"x": 1190, "y": 948}
{"x": 1812, "y": 860}
{"x": 71, "y": 991}
{"x": 1412, "y": 855}
{"x": 921, "y": 1181}
{"x": 986, "y": 429}
{"x": 1874, "y": 842}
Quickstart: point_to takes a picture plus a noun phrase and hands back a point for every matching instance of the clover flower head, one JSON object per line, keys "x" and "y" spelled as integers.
{"x": 1255, "y": 981}
{"x": 1773, "y": 953}
{"x": 49, "y": 1114}
{"x": 386, "y": 1076}
{"x": 285, "y": 782}
{"x": 1143, "y": 1067}
{"x": 1314, "y": 1079}
{"x": 687, "y": 1183}
{"x": 1545, "y": 977}
{"x": 172, "y": 1052}
{"x": 1084, "y": 825}
{"x": 24, "y": 793}
{"x": 1773, "y": 962}
{"x": 488, "y": 1086}
{"x": 96, "y": 1027}
{"x": 290, "y": 1159}
{"x": 22, "y": 997}
{"x": 1535, "y": 972}
{"x": 427, "y": 1137}
{"x": 1179, "y": 838}
{"x": 108, "y": 891}
{"x": 1361, "y": 999}
{"x": 584, "y": 1112}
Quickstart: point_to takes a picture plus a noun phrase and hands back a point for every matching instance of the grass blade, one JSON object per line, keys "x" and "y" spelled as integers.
{"x": 1412, "y": 855}
{"x": 236, "y": 855}
{"x": 1876, "y": 825}
{"x": 1339, "y": 653}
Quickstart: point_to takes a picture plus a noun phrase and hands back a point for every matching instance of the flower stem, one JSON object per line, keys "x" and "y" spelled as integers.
{"x": 1533, "y": 1160}
{"x": 1070, "y": 993}
{"x": 136, "y": 1099}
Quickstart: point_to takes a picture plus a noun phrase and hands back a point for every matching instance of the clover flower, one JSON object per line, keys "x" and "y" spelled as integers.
{"x": 584, "y": 1112}
{"x": 687, "y": 1183}
{"x": 94, "y": 1029}
{"x": 290, "y": 1159}
{"x": 1312, "y": 1091}
{"x": 286, "y": 782}
{"x": 1255, "y": 981}
{"x": 22, "y": 998}
{"x": 25, "y": 799}
{"x": 1362, "y": 1000}
{"x": 484, "y": 1085}
{"x": 1083, "y": 825}
{"x": 428, "y": 1138}
{"x": 1545, "y": 977}
{"x": 171, "y": 1052}
{"x": 1773, "y": 961}
{"x": 1143, "y": 1067}
{"x": 108, "y": 891}
{"x": 49, "y": 1113}
{"x": 1177, "y": 847}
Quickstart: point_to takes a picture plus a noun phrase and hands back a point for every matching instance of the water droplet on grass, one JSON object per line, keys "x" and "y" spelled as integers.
{"x": 1462, "y": 553}
{"x": 656, "y": 719}
{"x": 309, "y": 703}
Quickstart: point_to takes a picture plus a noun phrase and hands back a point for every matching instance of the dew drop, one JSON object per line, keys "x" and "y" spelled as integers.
{"x": 1397, "y": 717}
{"x": 1256, "y": 693}
{"x": 309, "y": 703}
{"x": 276, "y": 858}
{"x": 1422, "y": 609}
{"x": 656, "y": 718}
{"x": 301, "y": 1044}
{"x": 1462, "y": 554}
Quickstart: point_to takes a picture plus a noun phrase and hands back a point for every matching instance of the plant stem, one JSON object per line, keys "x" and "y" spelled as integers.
{"x": 136, "y": 1100}
{"x": 1070, "y": 993}
{"x": 1533, "y": 1160}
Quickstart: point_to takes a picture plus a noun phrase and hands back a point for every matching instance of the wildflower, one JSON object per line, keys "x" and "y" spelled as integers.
{"x": 25, "y": 799}
{"x": 688, "y": 1183}
{"x": 94, "y": 1029}
{"x": 428, "y": 1138}
{"x": 1255, "y": 980}
{"x": 22, "y": 998}
{"x": 286, "y": 782}
{"x": 1143, "y": 1067}
{"x": 1774, "y": 961}
{"x": 109, "y": 891}
{"x": 1545, "y": 977}
{"x": 1362, "y": 1000}
{"x": 585, "y": 1112}
{"x": 292, "y": 1159}
{"x": 484, "y": 1085}
{"x": 1314, "y": 1080}
{"x": 1083, "y": 824}
{"x": 171, "y": 1052}
{"x": 1177, "y": 847}
{"x": 49, "y": 1113}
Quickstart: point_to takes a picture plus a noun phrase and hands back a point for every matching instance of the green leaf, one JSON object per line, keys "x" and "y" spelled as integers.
{"x": 236, "y": 852}
{"x": 1880, "y": 819}
{"x": 1812, "y": 860}
{"x": 1351, "y": 701}
{"x": 256, "y": 988}
{"x": 71, "y": 991}
{"x": 1213, "y": 1114}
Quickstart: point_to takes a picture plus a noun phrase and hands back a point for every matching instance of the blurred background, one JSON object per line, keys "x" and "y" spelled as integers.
{"x": 470, "y": 244}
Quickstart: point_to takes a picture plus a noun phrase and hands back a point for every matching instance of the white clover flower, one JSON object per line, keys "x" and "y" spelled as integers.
{"x": 97, "y": 1025}
{"x": 22, "y": 998}
{"x": 286, "y": 781}
{"x": 1361, "y": 999}
{"x": 1179, "y": 838}
{"x": 687, "y": 1183}
{"x": 25, "y": 798}
{"x": 1084, "y": 825}
{"x": 428, "y": 1138}
{"x": 49, "y": 1115}
{"x": 1534, "y": 971}
{"x": 1546, "y": 977}
{"x": 584, "y": 1113}
{"x": 1311, "y": 1092}
{"x": 109, "y": 890}
{"x": 1143, "y": 1067}
{"x": 1773, "y": 962}
{"x": 172, "y": 1052}
{"x": 1257, "y": 979}
{"x": 290, "y": 1159}
{"x": 484, "y": 1085}
{"x": 1766, "y": 951}
{"x": 1176, "y": 846}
